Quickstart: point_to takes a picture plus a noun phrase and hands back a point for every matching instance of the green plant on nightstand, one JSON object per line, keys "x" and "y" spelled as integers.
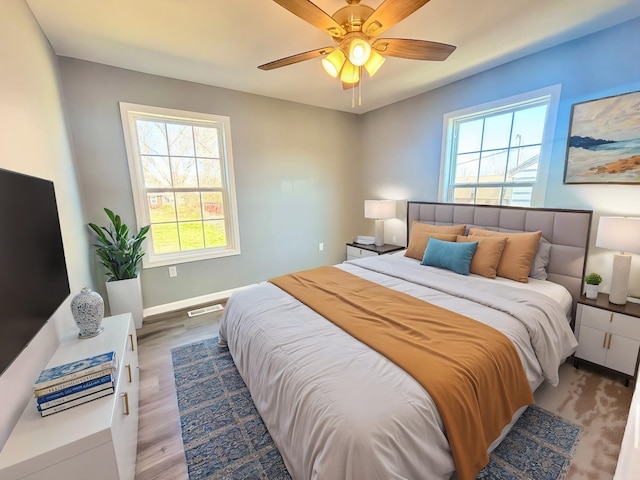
{"x": 592, "y": 281}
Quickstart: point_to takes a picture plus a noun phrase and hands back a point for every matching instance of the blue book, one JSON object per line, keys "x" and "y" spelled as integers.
{"x": 75, "y": 389}
{"x": 69, "y": 371}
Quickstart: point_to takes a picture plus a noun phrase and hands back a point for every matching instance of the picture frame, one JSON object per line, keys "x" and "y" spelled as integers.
{"x": 603, "y": 145}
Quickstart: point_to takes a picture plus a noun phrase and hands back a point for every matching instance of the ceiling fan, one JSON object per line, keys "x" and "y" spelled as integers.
{"x": 355, "y": 29}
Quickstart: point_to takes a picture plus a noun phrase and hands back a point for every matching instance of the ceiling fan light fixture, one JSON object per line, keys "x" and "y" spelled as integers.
{"x": 359, "y": 51}
{"x": 374, "y": 63}
{"x": 333, "y": 62}
{"x": 350, "y": 73}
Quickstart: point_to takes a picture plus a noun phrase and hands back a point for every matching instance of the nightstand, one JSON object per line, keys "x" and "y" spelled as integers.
{"x": 357, "y": 250}
{"x": 608, "y": 334}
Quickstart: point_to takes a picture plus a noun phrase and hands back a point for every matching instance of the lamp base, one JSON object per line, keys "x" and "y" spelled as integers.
{"x": 620, "y": 279}
{"x": 379, "y": 233}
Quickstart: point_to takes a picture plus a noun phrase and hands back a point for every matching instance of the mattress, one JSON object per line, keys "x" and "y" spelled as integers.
{"x": 336, "y": 408}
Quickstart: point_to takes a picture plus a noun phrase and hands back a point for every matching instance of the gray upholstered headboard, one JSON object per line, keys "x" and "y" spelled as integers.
{"x": 566, "y": 230}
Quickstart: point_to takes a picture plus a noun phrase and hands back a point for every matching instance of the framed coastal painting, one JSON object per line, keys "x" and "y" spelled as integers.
{"x": 604, "y": 141}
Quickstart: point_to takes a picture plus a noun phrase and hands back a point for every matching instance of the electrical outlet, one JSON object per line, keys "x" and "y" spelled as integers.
{"x": 173, "y": 271}
{"x": 395, "y": 240}
{"x": 321, "y": 246}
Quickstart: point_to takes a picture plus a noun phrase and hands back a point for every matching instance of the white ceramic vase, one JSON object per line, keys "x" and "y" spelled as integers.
{"x": 591, "y": 291}
{"x": 87, "y": 309}
{"x": 126, "y": 296}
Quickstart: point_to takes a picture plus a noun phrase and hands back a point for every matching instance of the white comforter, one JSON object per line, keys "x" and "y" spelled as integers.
{"x": 337, "y": 409}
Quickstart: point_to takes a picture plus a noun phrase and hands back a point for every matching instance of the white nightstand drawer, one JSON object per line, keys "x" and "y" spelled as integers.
{"x": 613, "y": 322}
{"x": 353, "y": 252}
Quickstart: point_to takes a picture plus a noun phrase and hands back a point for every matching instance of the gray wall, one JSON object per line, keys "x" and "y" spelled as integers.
{"x": 297, "y": 174}
{"x": 405, "y": 163}
{"x": 34, "y": 141}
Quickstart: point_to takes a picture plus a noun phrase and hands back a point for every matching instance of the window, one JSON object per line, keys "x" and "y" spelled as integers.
{"x": 498, "y": 154}
{"x": 182, "y": 177}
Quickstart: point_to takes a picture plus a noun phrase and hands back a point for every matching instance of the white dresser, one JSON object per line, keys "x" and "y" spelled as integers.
{"x": 96, "y": 440}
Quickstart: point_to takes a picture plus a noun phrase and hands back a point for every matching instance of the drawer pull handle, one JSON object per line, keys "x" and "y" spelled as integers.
{"x": 609, "y": 344}
{"x": 129, "y": 371}
{"x": 611, "y": 318}
{"x": 125, "y": 395}
{"x": 133, "y": 348}
{"x": 604, "y": 341}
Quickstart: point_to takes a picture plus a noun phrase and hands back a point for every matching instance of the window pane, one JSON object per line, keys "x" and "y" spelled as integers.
{"x": 206, "y": 139}
{"x": 463, "y": 195}
{"x": 152, "y": 138}
{"x": 214, "y": 233}
{"x": 469, "y": 136}
{"x": 165, "y": 238}
{"x": 518, "y": 196}
{"x": 209, "y": 174}
{"x": 493, "y": 166}
{"x": 212, "y": 207}
{"x": 184, "y": 172}
{"x": 467, "y": 166}
{"x": 523, "y": 164}
{"x": 156, "y": 171}
{"x": 162, "y": 207}
{"x": 180, "y": 140}
{"x": 188, "y": 205}
{"x": 497, "y": 131}
{"x": 528, "y": 126}
{"x": 488, "y": 196}
{"x": 191, "y": 235}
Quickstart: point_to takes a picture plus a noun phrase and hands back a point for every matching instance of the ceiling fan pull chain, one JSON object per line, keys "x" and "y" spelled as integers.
{"x": 360, "y": 87}
{"x": 353, "y": 96}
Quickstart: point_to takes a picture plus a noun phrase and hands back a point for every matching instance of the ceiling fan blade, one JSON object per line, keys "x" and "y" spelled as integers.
{"x": 300, "y": 57}
{"x": 389, "y": 13}
{"x": 311, "y": 13}
{"x": 413, "y": 49}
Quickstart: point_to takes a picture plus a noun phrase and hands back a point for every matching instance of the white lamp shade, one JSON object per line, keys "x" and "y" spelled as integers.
{"x": 619, "y": 233}
{"x": 379, "y": 209}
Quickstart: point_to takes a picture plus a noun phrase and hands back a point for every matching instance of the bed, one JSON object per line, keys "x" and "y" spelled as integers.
{"x": 337, "y": 408}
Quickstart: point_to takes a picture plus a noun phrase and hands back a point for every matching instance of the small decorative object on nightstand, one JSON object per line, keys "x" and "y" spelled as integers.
{"x": 357, "y": 250}
{"x": 608, "y": 334}
{"x": 592, "y": 285}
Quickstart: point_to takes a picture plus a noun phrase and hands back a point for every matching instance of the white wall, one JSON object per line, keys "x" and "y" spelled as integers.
{"x": 34, "y": 141}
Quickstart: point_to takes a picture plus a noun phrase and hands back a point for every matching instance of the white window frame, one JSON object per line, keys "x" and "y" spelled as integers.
{"x": 130, "y": 112}
{"x": 549, "y": 94}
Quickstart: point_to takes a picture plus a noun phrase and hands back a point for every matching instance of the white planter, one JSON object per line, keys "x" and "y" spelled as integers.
{"x": 591, "y": 291}
{"x": 126, "y": 296}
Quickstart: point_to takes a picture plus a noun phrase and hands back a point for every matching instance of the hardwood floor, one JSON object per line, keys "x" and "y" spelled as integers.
{"x": 160, "y": 451}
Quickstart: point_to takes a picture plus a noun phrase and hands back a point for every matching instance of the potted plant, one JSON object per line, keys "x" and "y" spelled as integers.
{"x": 121, "y": 253}
{"x": 592, "y": 281}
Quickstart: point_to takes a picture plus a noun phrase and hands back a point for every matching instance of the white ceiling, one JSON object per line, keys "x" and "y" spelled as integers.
{"x": 221, "y": 42}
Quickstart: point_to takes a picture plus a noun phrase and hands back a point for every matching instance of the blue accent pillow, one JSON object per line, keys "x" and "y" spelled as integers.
{"x": 450, "y": 255}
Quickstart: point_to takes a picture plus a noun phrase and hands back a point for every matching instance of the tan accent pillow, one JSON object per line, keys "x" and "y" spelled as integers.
{"x": 419, "y": 240}
{"x": 487, "y": 255}
{"x": 427, "y": 227}
{"x": 518, "y": 253}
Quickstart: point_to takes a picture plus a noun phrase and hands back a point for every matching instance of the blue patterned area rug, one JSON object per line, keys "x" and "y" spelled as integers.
{"x": 225, "y": 438}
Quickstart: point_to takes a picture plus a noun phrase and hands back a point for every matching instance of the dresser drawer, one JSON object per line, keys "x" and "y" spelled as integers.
{"x": 354, "y": 252}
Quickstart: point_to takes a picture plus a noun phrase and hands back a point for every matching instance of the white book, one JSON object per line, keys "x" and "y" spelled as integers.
{"x": 79, "y": 401}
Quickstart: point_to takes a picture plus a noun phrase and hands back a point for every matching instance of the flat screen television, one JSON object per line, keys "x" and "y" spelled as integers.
{"x": 33, "y": 270}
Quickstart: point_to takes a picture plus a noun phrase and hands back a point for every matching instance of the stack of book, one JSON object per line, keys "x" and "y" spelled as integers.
{"x": 65, "y": 386}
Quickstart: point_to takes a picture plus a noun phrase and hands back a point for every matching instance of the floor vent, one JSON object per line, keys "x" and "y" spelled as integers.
{"x": 203, "y": 310}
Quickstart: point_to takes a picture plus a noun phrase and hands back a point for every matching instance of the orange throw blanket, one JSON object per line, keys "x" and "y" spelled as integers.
{"x": 472, "y": 371}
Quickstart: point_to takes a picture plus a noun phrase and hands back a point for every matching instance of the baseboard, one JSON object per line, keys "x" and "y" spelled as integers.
{"x": 190, "y": 302}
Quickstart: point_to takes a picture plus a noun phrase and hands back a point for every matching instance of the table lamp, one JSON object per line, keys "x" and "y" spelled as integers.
{"x": 380, "y": 210}
{"x": 622, "y": 234}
